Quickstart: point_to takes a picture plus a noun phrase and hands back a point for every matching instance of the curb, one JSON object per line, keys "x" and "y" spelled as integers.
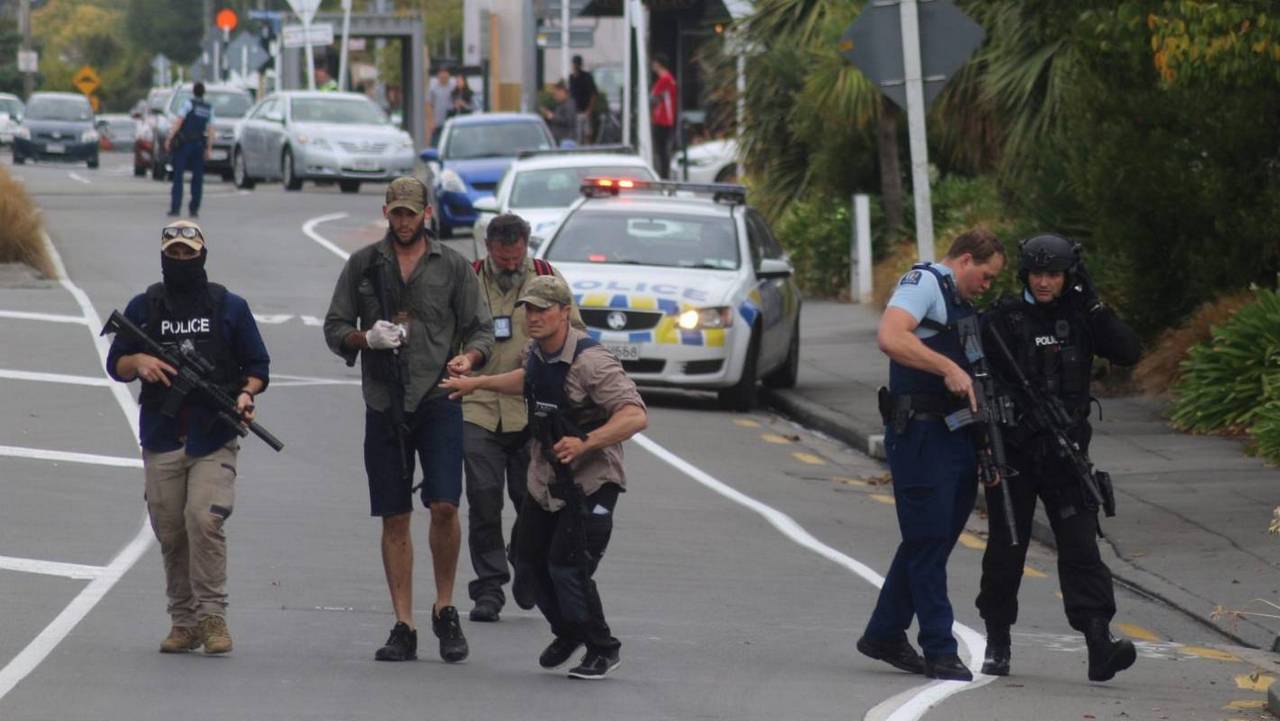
{"x": 843, "y": 428}
{"x": 1273, "y": 699}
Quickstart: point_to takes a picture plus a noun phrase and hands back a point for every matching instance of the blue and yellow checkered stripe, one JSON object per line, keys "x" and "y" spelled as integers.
{"x": 665, "y": 333}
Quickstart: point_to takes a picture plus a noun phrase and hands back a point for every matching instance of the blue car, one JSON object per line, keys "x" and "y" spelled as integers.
{"x": 474, "y": 152}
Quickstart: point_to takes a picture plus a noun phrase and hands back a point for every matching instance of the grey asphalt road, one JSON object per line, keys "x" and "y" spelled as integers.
{"x": 731, "y": 578}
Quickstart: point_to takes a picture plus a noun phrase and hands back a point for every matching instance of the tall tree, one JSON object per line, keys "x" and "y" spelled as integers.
{"x": 172, "y": 27}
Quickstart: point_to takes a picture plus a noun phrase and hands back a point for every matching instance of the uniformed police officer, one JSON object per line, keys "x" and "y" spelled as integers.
{"x": 189, "y": 142}
{"x": 1054, "y": 329}
{"x": 934, "y": 469}
{"x": 190, "y": 462}
{"x": 582, "y": 407}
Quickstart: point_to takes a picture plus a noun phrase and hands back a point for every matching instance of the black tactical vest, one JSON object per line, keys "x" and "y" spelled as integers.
{"x": 1054, "y": 350}
{"x": 201, "y": 326}
{"x": 904, "y": 380}
{"x": 544, "y": 383}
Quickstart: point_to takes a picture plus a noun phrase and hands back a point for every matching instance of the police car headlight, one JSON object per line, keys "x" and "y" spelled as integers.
{"x": 451, "y": 182}
{"x": 89, "y": 136}
{"x": 704, "y": 318}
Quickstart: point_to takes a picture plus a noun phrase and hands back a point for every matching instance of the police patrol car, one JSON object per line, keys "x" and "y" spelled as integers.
{"x": 684, "y": 283}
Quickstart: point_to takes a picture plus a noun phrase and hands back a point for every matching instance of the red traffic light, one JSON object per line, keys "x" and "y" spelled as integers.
{"x": 226, "y": 19}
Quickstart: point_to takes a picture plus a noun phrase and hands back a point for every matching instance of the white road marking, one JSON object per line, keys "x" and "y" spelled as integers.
{"x": 56, "y": 378}
{"x": 280, "y": 380}
{"x": 311, "y": 320}
{"x": 41, "y": 454}
{"x": 906, "y": 706}
{"x": 80, "y": 178}
{"x": 309, "y": 228}
{"x": 51, "y": 568}
{"x": 47, "y": 317}
{"x": 272, "y": 318}
{"x": 61, "y": 626}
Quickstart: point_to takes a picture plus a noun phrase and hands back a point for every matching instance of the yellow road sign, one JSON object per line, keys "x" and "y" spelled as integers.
{"x": 86, "y": 79}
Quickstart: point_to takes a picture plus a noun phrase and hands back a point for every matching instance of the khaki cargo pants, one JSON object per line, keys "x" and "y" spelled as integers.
{"x": 189, "y": 499}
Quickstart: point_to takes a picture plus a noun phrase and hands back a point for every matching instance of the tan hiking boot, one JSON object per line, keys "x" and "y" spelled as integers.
{"x": 180, "y": 640}
{"x": 214, "y": 633}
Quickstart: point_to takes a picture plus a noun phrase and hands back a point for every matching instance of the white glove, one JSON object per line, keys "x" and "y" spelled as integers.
{"x": 384, "y": 335}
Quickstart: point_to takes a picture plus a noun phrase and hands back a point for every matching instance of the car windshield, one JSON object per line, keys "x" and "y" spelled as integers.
{"x": 59, "y": 109}
{"x": 661, "y": 239}
{"x": 337, "y": 110}
{"x": 11, "y": 106}
{"x": 558, "y": 187}
{"x": 494, "y": 140}
{"x": 225, "y": 105}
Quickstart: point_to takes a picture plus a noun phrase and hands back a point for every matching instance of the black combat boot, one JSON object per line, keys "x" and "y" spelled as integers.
{"x": 1107, "y": 655}
{"x": 996, "y": 660}
{"x": 895, "y": 652}
{"x": 947, "y": 667}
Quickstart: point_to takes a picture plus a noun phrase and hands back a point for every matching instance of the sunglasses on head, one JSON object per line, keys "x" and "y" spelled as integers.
{"x": 185, "y": 231}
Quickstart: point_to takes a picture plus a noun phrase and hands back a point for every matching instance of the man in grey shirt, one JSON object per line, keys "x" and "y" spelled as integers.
{"x": 440, "y": 96}
{"x": 412, "y": 309}
{"x": 563, "y": 119}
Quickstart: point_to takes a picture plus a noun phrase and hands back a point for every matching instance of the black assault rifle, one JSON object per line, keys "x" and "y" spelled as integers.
{"x": 994, "y": 411}
{"x": 1046, "y": 413}
{"x": 549, "y": 425}
{"x": 192, "y": 376}
{"x": 377, "y": 273}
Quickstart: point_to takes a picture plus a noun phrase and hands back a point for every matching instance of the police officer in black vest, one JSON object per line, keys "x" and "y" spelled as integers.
{"x": 1053, "y": 329}
{"x": 189, "y": 459}
{"x": 188, "y": 144}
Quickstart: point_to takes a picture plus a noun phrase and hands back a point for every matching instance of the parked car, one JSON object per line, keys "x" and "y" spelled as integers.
{"x": 474, "y": 152}
{"x": 11, "y": 112}
{"x": 322, "y": 136}
{"x": 57, "y": 126}
{"x": 715, "y": 161}
{"x": 541, "y": 185}
{"x": 229, "y": 105}
{"x": 152, "y": 108}
{"x": 116, "y": 131}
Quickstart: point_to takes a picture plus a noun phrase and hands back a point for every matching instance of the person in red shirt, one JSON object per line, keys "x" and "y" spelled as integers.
{"x": 663, "y": 101}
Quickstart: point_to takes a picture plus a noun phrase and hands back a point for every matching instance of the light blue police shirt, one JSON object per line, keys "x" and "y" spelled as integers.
{"x": 919, "y": 294}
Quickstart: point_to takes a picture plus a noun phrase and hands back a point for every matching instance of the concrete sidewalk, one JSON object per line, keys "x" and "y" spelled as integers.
{"x": 1192, "y": 511}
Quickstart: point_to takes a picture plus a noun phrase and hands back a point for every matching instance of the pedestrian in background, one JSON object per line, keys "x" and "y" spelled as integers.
{"x": 439, "y": 103}
{"x": 325, "y": 81}
{"x": 934, "y": 469}
{"x": 463, "y": 98}
{"x": 663, "y": 114}
{"x": 410, "y": 307}
{"x": 582, "y": 87}
{"x": 188, "y": 145}
{"x": 562, "y": 117}
{"x": 189, "y": 460}
{"x": 1053, "y": 328}
{"x": 495, "y": 436}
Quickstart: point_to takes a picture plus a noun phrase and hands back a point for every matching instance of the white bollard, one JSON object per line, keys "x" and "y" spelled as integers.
{"x": 860, "y": 251}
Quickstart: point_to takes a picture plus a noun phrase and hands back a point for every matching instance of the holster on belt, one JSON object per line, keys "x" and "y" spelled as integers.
{"x": 895, "y": 410}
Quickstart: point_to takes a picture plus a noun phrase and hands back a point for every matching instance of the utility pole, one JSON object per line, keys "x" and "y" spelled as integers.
{"x": 24, "y": 23}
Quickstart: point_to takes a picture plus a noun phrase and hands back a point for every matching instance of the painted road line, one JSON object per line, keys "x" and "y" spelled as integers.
{"x": 1136, "y": 632}
{"x": 309, "y": 228}
{"x": 907, "y": 706}
{"x": 46, "y": 317}
{"x": 774, "y": 438}
{"x": 1033, "y": 572}
{"x": 41, "y": 454}
{"x": 51, "y": 568}
{"x": 80, "y": 178}
{"x": 1246, "y": 705}
{"x": 1256, "y": 681}
{"x": 882, "y": 498}
{"x": 280, "y": 380}
{"x": 746, "y": 423}
{"x": 61, "y": 626}
{"x": 100, "y": 381}
{"x": 1212, "y": 654}
{"x": 808, "y": 458}
{"x": 968, "y": 540}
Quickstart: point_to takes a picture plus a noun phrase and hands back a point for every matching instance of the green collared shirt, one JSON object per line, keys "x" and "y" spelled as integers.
{"x": 447, "y": 316}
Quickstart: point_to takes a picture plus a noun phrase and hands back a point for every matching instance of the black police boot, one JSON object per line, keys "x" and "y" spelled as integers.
{"x": 947, "y": 667}
{"x": 447, "y": 627}
{"x": 1107, "y": 655}
{"x": 486, "y": 610}
{"x": 558, "y": 652}
{"x": 897, "y": 653}
{"x": 401, "y": 645}
{"x": 996, "y": 660}
{"x": 596, "y": 664}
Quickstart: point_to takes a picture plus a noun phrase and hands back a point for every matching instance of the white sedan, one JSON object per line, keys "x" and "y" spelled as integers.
{"x": 715, "y": 161}
{"x": 685, "y": 283}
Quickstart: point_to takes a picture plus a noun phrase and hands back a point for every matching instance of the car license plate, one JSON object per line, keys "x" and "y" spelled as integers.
{"x": 369, "y": 165}
{"x": 55, "y": 148}
{"x": 624, "y": 351}
{"x": 217, "y": 154}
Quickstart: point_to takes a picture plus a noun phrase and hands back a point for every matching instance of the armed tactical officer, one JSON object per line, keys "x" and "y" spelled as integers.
{"x": 189, "y": 144}
{"x": 1052, "y": 331}
{"x": 188, "y": 456}
{"x": 582, "y": 406}
{"x": 934, "y": 469}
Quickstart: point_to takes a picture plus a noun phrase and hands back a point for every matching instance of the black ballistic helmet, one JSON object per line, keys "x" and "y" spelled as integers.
{"x": 1048, "y": 253}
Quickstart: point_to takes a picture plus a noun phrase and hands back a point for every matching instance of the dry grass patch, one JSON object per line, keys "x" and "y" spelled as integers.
{"x": 1160, "y": 368}
{"x": 20, "y": 228}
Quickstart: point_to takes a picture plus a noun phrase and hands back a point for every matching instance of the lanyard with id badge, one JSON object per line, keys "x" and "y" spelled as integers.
{"x": 502, "y": 327}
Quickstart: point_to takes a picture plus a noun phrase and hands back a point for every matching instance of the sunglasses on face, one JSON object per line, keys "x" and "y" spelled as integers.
{"x": 185, "y": 231}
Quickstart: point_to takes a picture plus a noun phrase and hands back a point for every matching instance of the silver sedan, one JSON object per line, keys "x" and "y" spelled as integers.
{"x": 294, "y": 136}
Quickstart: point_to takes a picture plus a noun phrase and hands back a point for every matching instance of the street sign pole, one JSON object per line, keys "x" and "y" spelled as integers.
{"x": 342, "y": 54}
{"x": 564, "y": 39}
{"x": 640, "y": 15}
{"x": 913, "y": 76}
{"x": 627, "y": 85}
{"x": 311, "y": 60}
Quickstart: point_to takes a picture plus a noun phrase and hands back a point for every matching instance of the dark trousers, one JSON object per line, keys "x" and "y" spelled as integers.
{"x": 1087, "y": 590}
{"x": 662, "y": 150}
{"x": 934, "y": 489}
{"x": 495, "y": 462}
{"x": 188, "y": 156}
{"x": 548, "y": 549}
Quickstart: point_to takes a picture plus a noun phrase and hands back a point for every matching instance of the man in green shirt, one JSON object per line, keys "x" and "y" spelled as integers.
{"x": 411, "y": 309}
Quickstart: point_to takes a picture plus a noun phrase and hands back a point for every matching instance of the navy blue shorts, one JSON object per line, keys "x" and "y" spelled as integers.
{"x": 436, "y": 435}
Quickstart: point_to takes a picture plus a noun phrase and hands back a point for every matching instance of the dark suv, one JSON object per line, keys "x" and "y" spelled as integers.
{"x": 57, "y": 126}
{"x": 229, "y": 105}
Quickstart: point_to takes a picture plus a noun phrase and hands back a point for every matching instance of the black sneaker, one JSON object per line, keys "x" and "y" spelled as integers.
{"x": 447, "y": 627}
{"x": 172, "y": 214}
{"x": 947, "y": 667}
{"x": 897, "y": 653}
{"x": 596, "y": 664}
{"x": 486, "y": 610}
{"x": 558, "y": 652}
{"x": 402, "y": 644}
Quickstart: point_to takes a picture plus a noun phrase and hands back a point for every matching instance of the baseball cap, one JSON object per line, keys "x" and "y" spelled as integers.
{"x": 182, "y": 231}
{"x": 407, "y": 192}
{"x": 544, "y": 291}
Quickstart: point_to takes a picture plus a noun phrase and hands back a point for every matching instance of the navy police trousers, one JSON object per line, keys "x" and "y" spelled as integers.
{"x": 934, "y": 489}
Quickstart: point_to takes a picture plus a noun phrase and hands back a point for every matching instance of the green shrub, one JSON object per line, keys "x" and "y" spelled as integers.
{"x": 1227, "y": 381}
{"x": 817, "y": 233}
{"x": 1266, "y": 432}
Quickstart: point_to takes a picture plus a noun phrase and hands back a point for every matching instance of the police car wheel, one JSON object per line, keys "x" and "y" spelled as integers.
{"x": 92, "y": 162}
{"x": 157, "y": 170}
{"x": 785, "y": 375}
{"x": 139, "y": 171}
{"x": 240, "y": 172}
{"x": 287, "y": 172}
{"x": 741, "y": 396}
{"x": 349, "y": 186}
